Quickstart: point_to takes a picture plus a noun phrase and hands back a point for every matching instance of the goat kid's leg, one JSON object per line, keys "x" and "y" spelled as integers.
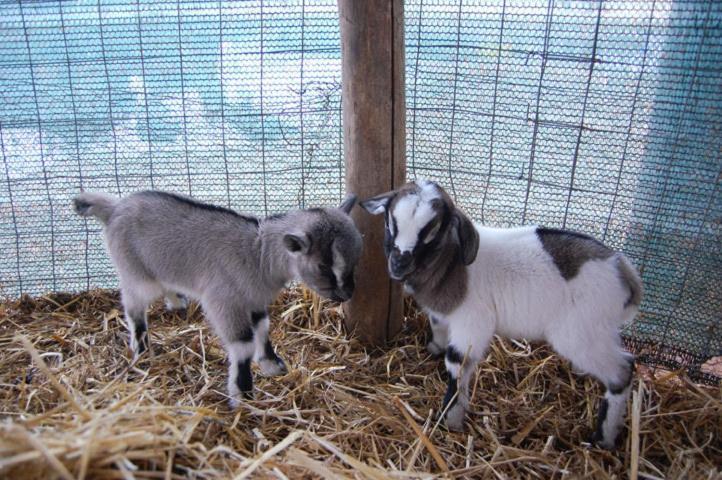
{"x": 468, "y": 342}
{"x": 271, "y": 364}
{"x": 135, "y": 305}
{"x": 175, "y": 301}
{"x": 137, "y": 293}
{"x": 240, "y": 378}
{"x": 613, "y": 406}
{"x": 456, "y": 400}
{"x": 610, "y": 419}
{"x": 439, "y": 336}
{"x": 232, "y": 323}
{"x": 137, "y": 323}
{"x": 605, "y": 359}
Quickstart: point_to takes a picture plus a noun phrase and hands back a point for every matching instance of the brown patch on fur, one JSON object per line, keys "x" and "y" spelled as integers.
{"x": 571, "y": 250}
{"x": 442, "y": 286}
{"x": 441, "y": 280}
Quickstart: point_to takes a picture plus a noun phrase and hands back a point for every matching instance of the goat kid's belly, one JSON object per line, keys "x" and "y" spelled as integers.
{"x": 479, "y": 323}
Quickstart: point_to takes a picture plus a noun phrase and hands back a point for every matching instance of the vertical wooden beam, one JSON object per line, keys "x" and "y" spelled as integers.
{"x": 374, "y": 126}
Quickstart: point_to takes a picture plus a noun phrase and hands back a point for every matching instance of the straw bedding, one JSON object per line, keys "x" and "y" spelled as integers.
{"x": 73, "y": 407}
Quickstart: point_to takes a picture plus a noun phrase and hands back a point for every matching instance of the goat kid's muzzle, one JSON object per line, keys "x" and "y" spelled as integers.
{"x": 401, "y": 265}
{"x": 341, "y": 295}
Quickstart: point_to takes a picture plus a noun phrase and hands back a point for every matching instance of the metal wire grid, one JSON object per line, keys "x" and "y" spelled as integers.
{"x": 602, "y": 117}
{"x": 234, "y": 103}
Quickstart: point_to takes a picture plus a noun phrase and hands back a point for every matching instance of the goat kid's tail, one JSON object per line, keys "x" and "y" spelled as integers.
{"x": 98, "y": 205}
{"x": 631, "y": 278}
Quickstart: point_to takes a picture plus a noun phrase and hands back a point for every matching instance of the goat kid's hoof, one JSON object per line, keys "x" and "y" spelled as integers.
{"x": 272, "y": 367}
{"x": 139, "y": 349}
{"x": 235, "y": 400}
{"x": 597, "y": 440}
{"x": 455, "y": 418}
{"x": 606, "y": 445}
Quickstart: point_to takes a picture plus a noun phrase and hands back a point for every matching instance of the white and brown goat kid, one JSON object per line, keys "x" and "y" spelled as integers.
{"x": 540, "y": 284}
{"x": 163, "y": 244}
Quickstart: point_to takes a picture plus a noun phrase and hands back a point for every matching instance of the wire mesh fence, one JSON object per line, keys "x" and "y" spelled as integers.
{"x": 601, "y": 117}
{"x": 237, "y": 103}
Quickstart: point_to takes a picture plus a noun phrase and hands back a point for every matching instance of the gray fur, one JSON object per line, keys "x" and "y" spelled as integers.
{"x": 97, "y": 205}
{"x": 235, "y": 265}
{"x": 630, "y": 276}
{"x": 570, "y": 250}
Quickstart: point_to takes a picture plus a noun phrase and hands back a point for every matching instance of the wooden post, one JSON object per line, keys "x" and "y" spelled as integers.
{"x": 374, "y": 120}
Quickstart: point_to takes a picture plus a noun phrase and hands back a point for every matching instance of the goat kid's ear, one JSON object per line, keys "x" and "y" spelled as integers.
{"x": 348, "y": 203}
{"x": 468, "y": 237}
{"x": 378, "y": 204}
{"x": 297, "y": 243}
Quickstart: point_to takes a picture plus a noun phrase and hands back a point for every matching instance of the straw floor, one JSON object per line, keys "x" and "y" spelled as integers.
{"x": 72, "y": 407}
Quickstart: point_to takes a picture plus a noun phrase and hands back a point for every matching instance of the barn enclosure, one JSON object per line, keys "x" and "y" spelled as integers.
{"x": 603, "y": 117}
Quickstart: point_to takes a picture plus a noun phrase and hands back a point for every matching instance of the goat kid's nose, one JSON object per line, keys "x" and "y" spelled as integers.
{"x": 342, "y": 295}
{"x": 346, "y": 291}
{"x": 402, "y": 260}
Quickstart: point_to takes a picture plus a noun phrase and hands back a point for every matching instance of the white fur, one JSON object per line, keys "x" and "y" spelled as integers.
{"x": 411, "y": 214}
{"x": 260, "y": 334}
{"x": 339, "y": 266}
{"x": 440, "y": 336}
{"x": 516, "y": 290}
{"x": 238, "y": 351}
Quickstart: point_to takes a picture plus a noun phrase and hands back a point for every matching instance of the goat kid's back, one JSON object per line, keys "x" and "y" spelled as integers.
{"x": 186, "y": 246}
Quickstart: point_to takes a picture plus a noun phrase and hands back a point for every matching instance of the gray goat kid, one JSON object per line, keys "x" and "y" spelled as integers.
{"x": 541, "y": 284}
{"x": 163, "y": 244}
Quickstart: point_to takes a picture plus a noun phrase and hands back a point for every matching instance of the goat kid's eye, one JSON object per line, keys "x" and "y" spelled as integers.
{"x": 431, "y": 234}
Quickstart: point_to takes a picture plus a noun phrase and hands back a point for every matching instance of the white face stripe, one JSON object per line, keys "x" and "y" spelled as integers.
{"x": 428, "y": 190}
{"x": 412, "y": 213}
{"x": 339, "y": 265}
{"x": 391, "y": 226}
